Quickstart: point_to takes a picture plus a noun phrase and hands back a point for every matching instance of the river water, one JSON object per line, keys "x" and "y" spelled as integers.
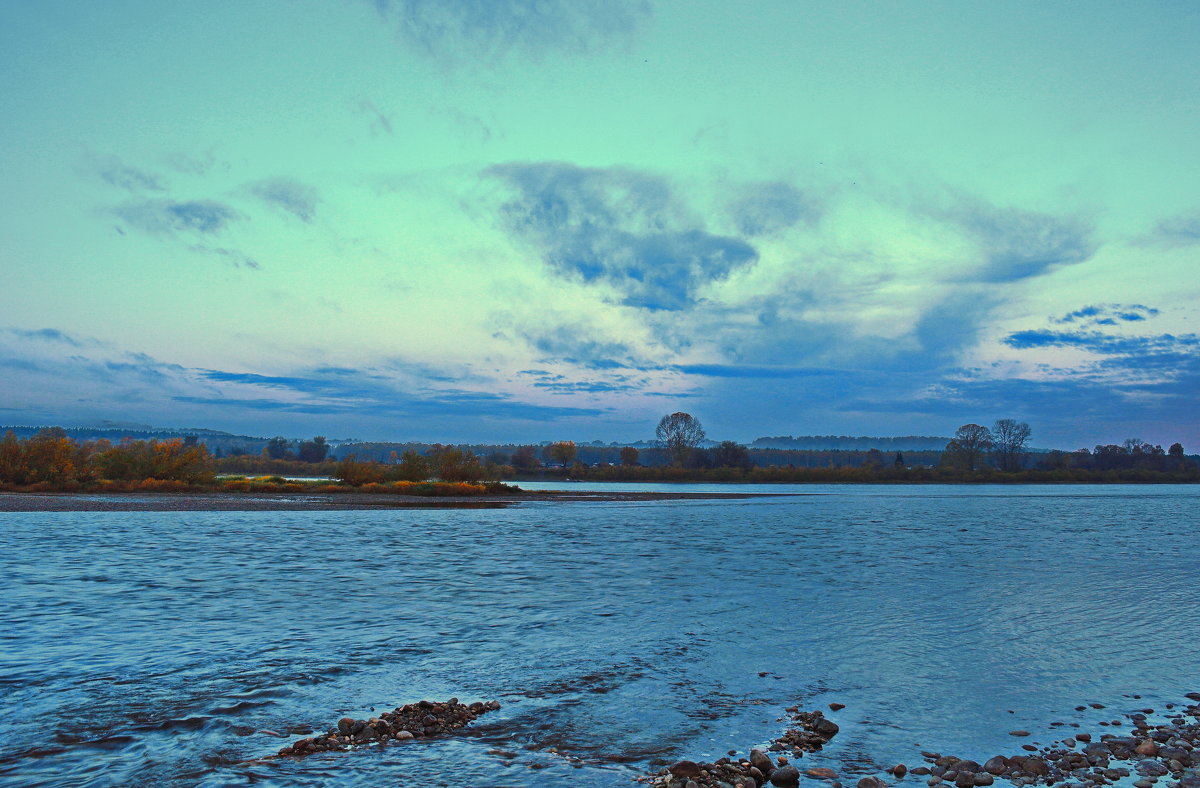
{"x": 144, "y": 648}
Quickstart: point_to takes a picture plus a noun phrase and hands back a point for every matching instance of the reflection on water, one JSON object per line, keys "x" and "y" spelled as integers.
{"x": 144, "y": 648}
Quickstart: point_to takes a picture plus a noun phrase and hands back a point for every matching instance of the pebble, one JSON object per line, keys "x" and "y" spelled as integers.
{"x": 786, "y": 777}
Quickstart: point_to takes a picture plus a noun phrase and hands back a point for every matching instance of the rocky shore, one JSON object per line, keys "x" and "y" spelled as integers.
{"x": 810, "y": 731}
{"x": 422, "y": 720}
{"x": 1168, "y": 751}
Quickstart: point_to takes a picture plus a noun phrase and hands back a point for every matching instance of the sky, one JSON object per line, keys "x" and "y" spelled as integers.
{"x": 523, "y": 220}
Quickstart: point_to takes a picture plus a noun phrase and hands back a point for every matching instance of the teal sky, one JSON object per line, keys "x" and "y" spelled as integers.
{"x": 519, "y": 220}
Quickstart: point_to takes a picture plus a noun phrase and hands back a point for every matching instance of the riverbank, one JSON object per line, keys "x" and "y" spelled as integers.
{"x": 347, "y": 501}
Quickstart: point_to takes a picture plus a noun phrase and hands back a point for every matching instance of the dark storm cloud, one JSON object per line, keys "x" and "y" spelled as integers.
{"x": 617, "y": 227}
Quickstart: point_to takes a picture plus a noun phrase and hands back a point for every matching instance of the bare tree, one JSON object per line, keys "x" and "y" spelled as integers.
{"x": 679, "y": 433}
{"x": 1008, "y": 444}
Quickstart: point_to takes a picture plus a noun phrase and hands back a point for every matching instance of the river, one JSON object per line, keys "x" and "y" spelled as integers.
{"x": 150, "y": 648}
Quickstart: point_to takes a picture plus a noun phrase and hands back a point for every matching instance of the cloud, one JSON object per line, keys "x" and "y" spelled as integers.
{"x": 381, "y": 122}
{"x": 340, "y": 390}
{"x": 1141, "y": 350}
{"x": 1175, "y": 232}
{"x": 493, "y": 29}
{"x": 64, "y": 377}
{"x": 49, "y": 335}
{"x": 617, "y": 227}
{"x": 118, "y": 174}
{"x": 168, "y": 216}
{"x": 1108, "y": 314}
{"x": 195, "y": 165}
{"x": 296, "y": 198}
{"x": 768, "y": 208}
{"x": 1019, "y": 244}
{"x": 232, "y": 256}
{"x": 744, "y": 371}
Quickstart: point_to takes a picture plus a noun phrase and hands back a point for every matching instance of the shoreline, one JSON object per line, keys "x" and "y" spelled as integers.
{"x": 315, "y": 502}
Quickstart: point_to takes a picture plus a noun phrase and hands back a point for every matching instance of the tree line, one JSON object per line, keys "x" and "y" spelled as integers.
{"x": 52, "y": 460}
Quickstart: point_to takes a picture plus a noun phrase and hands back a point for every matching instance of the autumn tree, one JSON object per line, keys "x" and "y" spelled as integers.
{"x": 679, "y": 433}
{"x": 730, "y": 454}
{"x": 968, "y": 446}
{"x": 524, "y": 458}
{"x": 351, "y": 471}
{"x": 412, "y": 467}
{"x": 1175, "y": 458}
{"x": 315, "y": 450}
{"x": 453, "y": 464}
{"x": 277, "y": 448}
{"x": 561, "y": 452}
{"x": 629, "y": 456}
{"x": 1008, "y": 444}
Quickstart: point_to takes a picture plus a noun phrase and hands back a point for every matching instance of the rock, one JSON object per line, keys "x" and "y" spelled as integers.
{"x": 761, "y": 761}
{"x": 997, "y": 765}
{"x": 1084, "y": 737}
{"x": 1149, "y": 768}
{"x": 983, "y": 778}
{"x": 827, "y": 728}
{"x": 1036, "y": 766}
{"x": 1143, "y": 783}
{"x": 821, "y": 773}
{"x": 786, "y": 777}
{"x": 1147, "y": 747}
{"x": 899, "y": 770}
{"x": 964, "y": 779}
{"x": 404, "y": 735}
{"x": 871, "y": 782}
{"x": 685, "y": 769}
{"x": 836, "y": 706}
{"x": 1018, "y": 733}
{"x": 346, "y": 725}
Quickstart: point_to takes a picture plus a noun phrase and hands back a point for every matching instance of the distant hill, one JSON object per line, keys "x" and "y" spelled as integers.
{"x": 849, "y": 443}
{"x": 214, "y": 439}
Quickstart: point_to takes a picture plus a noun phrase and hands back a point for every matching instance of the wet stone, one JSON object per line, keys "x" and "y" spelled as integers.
{"x": 426, "y": 718}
